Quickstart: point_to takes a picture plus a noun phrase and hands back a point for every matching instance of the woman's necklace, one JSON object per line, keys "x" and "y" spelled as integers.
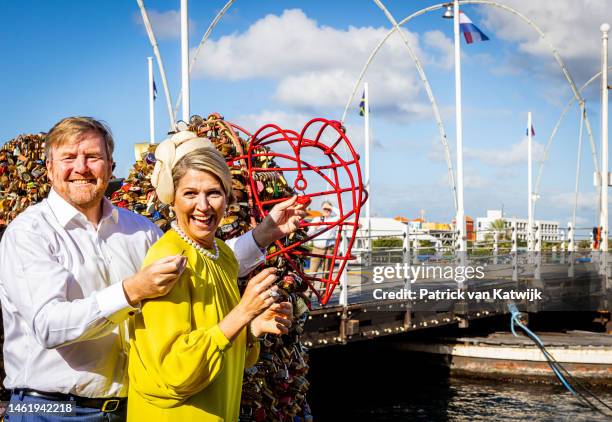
{"x": 196, "y": 245}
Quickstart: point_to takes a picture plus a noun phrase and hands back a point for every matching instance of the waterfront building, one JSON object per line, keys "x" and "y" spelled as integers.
{"x": 550, "y": 229}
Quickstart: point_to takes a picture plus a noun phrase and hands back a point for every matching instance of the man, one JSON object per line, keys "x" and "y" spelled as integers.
{"x": 324, "y": 243}
{"x": 71, "y": 277}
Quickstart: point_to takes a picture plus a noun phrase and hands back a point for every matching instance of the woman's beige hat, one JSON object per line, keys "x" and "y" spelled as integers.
{"x": 167, "y": 154}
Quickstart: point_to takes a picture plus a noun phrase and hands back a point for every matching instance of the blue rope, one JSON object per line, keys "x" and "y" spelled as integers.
{"x": 515, "y": 320}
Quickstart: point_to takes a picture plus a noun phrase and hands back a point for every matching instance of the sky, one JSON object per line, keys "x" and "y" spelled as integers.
{"x": 286, "y": 62}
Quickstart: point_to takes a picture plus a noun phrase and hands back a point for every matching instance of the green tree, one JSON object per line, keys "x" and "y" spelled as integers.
{"x": 499, "y": 226}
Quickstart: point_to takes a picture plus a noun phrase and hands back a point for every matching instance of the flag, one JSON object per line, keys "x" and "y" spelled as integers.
{"x": 532, "y": 131}
{"x": 362, "y": 105}
{"x": 470, "y": 31}
{"x": 154, "y": 91}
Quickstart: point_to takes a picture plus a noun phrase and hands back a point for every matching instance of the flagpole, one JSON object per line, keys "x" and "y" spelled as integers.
{"x": 461, "y": 244}
{"x": 604, "y": 179}
{"x": 151, "y": 102}
{"x": 185, "y": 60}
{"x": 366, "y": 114}
{"x": 530, "y": 245}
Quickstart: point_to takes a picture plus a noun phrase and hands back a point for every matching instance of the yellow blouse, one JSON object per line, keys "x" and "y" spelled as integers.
{"x": 181, "y": 366}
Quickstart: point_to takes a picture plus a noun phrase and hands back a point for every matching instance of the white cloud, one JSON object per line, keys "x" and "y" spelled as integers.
{"x": 475, "y": 180}
{"x": 516, "y": 154}
{"x": 317, "y": 66}
{"x": 166, "y": 25}
{"x": 587, "y": 201}
{"x": 315, "y": 89}
{"x": 286, "y": 120}
{"x": 572, "y": 27}
{"x": 444, "y": 45}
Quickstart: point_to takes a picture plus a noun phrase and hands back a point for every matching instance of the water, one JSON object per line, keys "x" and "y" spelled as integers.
{"x": 471, "y": 400}
{"x": 369, "y": 381}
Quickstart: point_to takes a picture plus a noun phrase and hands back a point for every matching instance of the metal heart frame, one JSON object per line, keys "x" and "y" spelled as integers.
{"x": 262, "y": 146}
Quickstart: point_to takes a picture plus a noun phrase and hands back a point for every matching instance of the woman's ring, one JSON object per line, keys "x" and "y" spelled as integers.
{"x": 273, "y": 293}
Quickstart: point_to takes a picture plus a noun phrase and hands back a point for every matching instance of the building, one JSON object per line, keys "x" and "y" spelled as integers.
{"x": 550, "y": 229}
{"x": 469, "y": 228}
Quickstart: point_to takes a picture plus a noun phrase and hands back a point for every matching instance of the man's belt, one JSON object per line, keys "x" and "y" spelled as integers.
{"x": 110, "y": 404}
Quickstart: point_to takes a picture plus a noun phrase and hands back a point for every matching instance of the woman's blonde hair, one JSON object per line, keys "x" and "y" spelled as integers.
{"x": 209, "y": 160}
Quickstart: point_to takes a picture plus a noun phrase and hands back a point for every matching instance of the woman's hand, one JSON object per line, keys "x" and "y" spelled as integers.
{"x": 259, "y": 294}
{"x": 274, "y": 320}
{"x": 283, "y": 219}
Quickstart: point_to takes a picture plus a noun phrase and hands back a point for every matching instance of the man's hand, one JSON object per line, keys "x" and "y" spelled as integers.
{"x": 154, "y": 280}
{"x": 284, "y": 218}
{"x": 274, "y": 320}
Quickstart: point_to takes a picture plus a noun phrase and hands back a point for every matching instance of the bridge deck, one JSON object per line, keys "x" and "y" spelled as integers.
{"x": 366, "y": 317}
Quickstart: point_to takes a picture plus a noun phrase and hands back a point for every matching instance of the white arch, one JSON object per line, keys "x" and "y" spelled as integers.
{"x": 428, "y": 90}
{"x": 556, "y": 55}
{"x": 160, "y": 63}
{"x": 556, "y": 127}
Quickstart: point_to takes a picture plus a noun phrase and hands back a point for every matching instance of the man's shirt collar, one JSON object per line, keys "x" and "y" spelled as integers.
{"x": 65, "y": 213}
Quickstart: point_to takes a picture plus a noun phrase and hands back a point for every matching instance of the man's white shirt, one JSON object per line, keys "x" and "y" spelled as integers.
{"x": 63, "y": 305}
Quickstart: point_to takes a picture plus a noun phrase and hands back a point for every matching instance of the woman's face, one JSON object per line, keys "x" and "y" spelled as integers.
{"x": 199, "y": 204}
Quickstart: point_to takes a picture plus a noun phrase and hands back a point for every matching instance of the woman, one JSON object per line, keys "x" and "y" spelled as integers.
{"x": 190, "y": 347}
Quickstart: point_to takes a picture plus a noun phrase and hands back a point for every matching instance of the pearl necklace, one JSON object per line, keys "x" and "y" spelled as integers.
{"x": 196, "y": 245}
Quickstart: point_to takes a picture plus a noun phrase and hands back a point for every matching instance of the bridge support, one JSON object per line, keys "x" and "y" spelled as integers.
{"x": 537, "y": 269}
{"x": 562, "y": 249}
{"x": 415, "y": 248}
{"x": 514, "y": 250}
{"x": 495, "y": 246}
{"x": 344, "y": 275}
{"x": 407, "y": 281}
{"x": 570, "y": 250}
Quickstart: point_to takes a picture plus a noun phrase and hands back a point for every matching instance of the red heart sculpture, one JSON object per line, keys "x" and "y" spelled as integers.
{"x": 321, "y": 154}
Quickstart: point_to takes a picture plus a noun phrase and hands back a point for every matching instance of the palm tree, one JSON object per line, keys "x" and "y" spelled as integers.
{"x": 499, "y": 226}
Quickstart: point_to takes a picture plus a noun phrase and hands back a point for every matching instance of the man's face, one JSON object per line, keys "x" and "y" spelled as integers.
{"x": 326, "y": 210}
{"x": 79, "y": 170}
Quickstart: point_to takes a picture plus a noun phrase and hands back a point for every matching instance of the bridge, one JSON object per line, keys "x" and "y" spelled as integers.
{"x": 556, "y": 276}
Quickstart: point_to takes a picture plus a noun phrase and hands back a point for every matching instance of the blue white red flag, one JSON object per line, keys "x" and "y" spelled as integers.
{"x": 470, "y": 31}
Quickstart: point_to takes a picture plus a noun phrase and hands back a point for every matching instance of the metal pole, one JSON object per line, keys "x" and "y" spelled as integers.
{"x": 160, "y": 63}
{"x": 578, "y": 159}
{"x": 366, "y": 115}
{"x": 514, "y": 250}
{"x": 344, "y": 275}
{"x": 495, "y": 246}
{"x": 406, "y": 252}
{"x": 562, "y": 246}
{"x": 604, "y": 148}
{"x": 185, "y": 59}
{"x": 570, "y": 249}
{"x": 529, "y": 188}
{"x": 460, "y": 216}
{"x": 537, "y": 271}
{"x": 151, "y": 102}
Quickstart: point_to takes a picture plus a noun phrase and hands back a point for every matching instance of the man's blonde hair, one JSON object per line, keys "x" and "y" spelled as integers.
{"x": 71, "y": 127}
{"x": 209, "y": 160}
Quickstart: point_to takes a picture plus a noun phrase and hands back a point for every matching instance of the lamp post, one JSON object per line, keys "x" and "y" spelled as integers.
{"x": 530, "y": 198}
{"x": 461, "y": 244}
{"x": 185, "y": 60}
{"x": 151, "y": 102}
{"x": 604, "y": 179}
{"x": 366, "y": 116}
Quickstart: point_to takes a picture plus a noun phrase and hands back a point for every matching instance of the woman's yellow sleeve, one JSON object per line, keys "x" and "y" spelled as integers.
{"x": 171, "y": 362}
